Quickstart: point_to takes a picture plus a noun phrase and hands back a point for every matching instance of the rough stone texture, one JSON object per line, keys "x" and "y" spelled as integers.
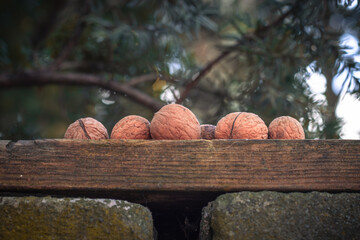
{"x": 241, "y": 125}
{"x": 131, "y": 127}
{"x": 175, "y": 122}
{"x": 86, "y": 128}
{"x": 205, "y": 223}
{"x": 207, "y": 131}
{"x": 286, "y": 127}
{"x": 73, "y": 218}
{"x": 272, "y": 215}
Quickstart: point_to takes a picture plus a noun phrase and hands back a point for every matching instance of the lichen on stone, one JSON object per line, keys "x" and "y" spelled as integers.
{"x": 274, "y": 215}
{"x": 73, "y": 218}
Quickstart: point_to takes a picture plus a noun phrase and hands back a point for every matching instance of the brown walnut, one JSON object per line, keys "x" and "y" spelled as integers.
{"x": 286, "y": 127}
{"x": 131, "y": 127}
{"x": 241, "y": 125}
{"x": 86, "y": 128}
{"x": 174, "y": 122}
{"x": 207, "y": 131}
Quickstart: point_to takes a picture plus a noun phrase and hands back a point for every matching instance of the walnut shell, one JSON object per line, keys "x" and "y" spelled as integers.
{"x": 174, "y": 122}
{"x": 286, "y": 127}
{"x": 207, "y": 131}
{"x": 131, "y": 127}
{"x": 86, "y": 128}
{"x": 241, "y": 125}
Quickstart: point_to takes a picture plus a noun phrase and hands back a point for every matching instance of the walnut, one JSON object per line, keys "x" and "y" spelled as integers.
{"x": 207, "y": 131}
{"x": 174, "y": 122}
{"x": 241, "y": 125}
{"x": 286, "y": 127}
{"x": 86, "y": 128}
{"x": 131, "y": 127}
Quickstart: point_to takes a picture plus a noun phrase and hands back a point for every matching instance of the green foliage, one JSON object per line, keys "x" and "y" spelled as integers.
{"x": 269, "y": 71}
{"x": 272, "y": 46}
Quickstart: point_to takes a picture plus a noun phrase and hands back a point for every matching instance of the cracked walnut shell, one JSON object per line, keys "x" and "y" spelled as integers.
{"x": 86, "y": 128}
{"x": 131, "y": 127}
{"x": 175, "y": 122}
{"x": 241, "y": 125}
{"x": 286, "y": 127}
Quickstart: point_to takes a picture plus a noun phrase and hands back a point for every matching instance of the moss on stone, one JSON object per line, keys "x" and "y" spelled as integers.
{"x": 73, "y": 218}
{"x": 273, "y": 215}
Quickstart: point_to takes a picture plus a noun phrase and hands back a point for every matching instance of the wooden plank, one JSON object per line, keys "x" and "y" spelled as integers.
{"x": 180, "y": 166}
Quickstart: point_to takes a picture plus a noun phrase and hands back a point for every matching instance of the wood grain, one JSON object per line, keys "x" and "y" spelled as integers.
{"x": 180, "y": 166}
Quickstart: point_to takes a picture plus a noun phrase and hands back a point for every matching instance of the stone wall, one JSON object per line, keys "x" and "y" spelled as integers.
{"x": 243, "y": 215}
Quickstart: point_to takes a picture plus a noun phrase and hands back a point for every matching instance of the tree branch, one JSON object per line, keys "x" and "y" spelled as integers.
{"x": 46, "y": 78}
{"x": 73, "y": 40}
{"x": 197, "y": 77}
{"x": 141, "y": 79}
{"x": 259, "y": 32}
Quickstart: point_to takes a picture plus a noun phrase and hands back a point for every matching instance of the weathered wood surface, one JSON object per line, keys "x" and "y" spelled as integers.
{"x": 180, "y": 166}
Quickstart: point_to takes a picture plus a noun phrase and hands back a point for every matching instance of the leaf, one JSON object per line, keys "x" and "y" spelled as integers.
{"x": 230, "y": 36}
{"x": 100, "y": 35}
{"x": 240, "y": 26}
{"x": 99, "y": 21}
{"x": 159, "y": 85}
{"x": 208, "y": 23}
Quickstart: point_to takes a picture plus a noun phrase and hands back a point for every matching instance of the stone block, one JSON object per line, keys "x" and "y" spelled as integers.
{"x": 73, "y": 218}
{"x": 274, "y": 215}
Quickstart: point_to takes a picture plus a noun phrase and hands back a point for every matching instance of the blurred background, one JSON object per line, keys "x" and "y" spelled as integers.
{"x": 106, "y": 59}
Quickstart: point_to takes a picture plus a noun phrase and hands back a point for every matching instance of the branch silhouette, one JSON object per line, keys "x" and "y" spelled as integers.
{"x": 247, "y": 37}
{"x": 34, "y": 78}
